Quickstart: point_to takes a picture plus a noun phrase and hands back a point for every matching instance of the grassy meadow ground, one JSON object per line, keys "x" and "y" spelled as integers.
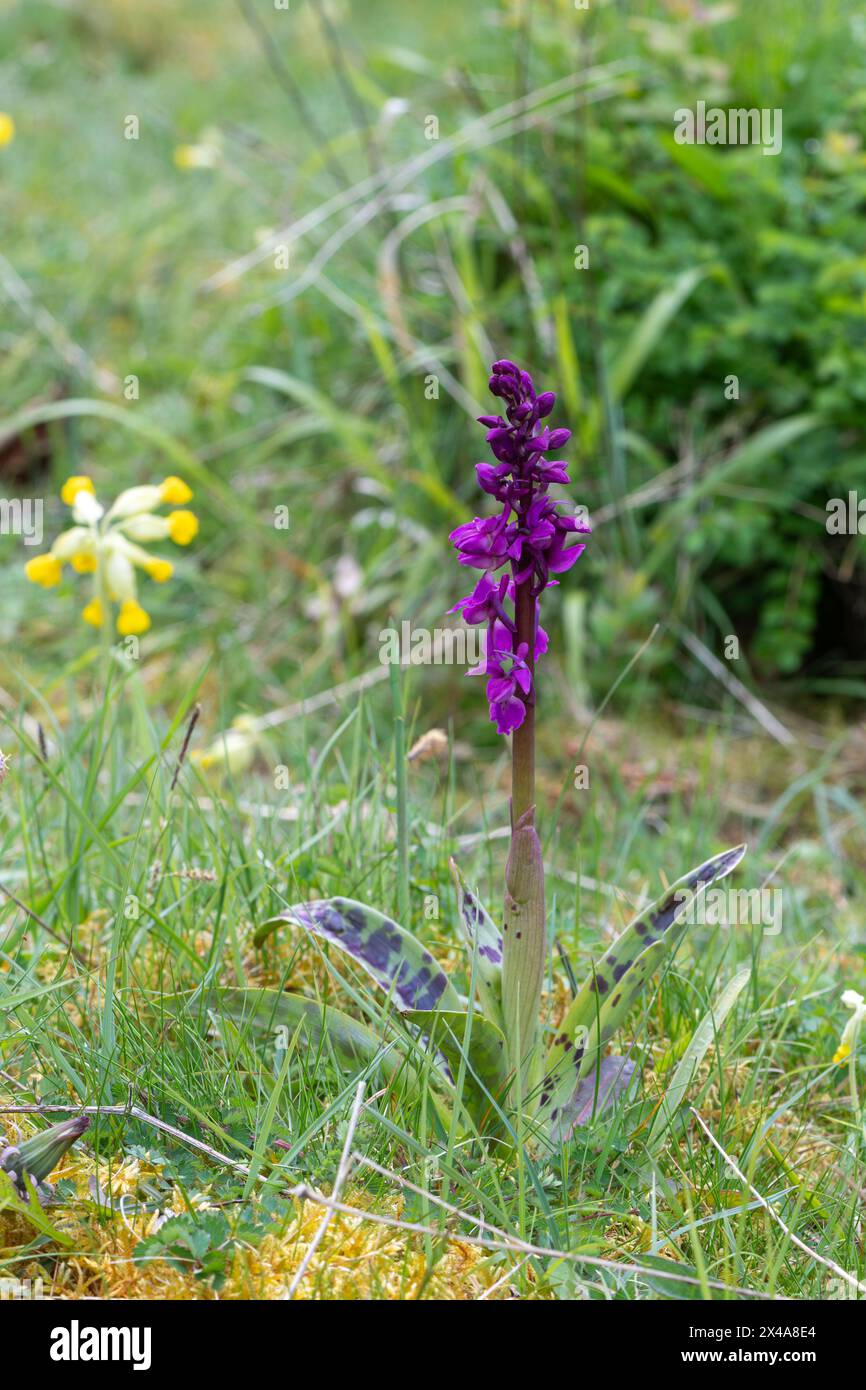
{"x": 152, "y": 325}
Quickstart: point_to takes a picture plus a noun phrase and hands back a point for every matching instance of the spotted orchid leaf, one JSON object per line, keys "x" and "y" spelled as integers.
{"x": 395, "y": 959}
{"x": 615, "y": 982}
{"x": 458, "y": 1037}
{"x": 594, "y": 1095}
{"x": 571, "y": 1059}
{"x": 662, "y": 921}
{"x": 484, "y": 942}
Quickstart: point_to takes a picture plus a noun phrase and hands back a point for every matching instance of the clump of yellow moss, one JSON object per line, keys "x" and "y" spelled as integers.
{"x": 359, "y": 1258}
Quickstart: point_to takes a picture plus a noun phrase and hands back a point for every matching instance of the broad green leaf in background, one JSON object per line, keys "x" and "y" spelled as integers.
{"x": 138, "y": 423}
{"x": 703, "y": 165}
{"x": 754, "y": 452}
{"x": 652, "y": 325}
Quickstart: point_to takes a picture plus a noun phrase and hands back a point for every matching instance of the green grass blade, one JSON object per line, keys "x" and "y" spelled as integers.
{"x": 702, "y": 1038}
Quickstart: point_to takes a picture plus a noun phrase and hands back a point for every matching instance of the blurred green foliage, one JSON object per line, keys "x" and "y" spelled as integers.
{"x": 311, "y": 387}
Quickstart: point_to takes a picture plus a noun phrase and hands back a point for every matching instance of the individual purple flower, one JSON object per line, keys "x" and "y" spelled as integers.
{"x": 505, "y": 688}
{"x": 485, "y": 603}
{"x": 483, "y": 544}
{"x": 530, "y": 535}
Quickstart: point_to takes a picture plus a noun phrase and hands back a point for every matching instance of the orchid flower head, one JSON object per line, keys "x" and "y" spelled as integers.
{"x": 525, "y": 543}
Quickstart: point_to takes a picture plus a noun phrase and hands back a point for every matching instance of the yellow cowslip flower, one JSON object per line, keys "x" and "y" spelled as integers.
{"x": 160, "y": 570}
{"x": 104, "y": 544}
{"x": 233, "y": 751}
{"x": 182, "y": 527}
{"x": 204, "y": 155}
{"x": 73, "y": 486}
{"x": 145, "y": 527}
{"x": 132, "y": 619}
{"x": 856, "y": 1003}
{"x": 93, "y": 614}
{"x": 174, "y": 491}
{"x": 7, "y": 129}
{"x": 45, "y": 570}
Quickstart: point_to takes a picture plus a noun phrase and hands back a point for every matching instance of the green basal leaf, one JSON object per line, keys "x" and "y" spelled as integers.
{"x": 395, "y": 959}
{"x": 484, "y": 940}
{"x": 570, "y": 1060}
{"x": 595, "y": 1094}
{"x": 270, "y": 1011}
{"x": 352, "y": 1044}
{"x": 459, "y": 1037}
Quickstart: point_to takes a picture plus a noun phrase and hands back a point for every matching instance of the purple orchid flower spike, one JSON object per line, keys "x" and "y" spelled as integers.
{"x": 530, "y": 535}
{"x": 529, "y": 540}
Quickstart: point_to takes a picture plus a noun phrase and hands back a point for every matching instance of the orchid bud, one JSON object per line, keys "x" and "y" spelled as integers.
{"x": 39, "y": 1156}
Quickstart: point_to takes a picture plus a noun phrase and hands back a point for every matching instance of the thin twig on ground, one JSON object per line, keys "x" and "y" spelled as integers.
{"x": 345, "y": 1165}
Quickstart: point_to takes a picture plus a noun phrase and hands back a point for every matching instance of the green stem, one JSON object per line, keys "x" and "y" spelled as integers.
{"x": 524, "y": 949}
{"x": 524, "y": 932}
{"x": 852, "y": 1086}
{"x": 105, "y": 626}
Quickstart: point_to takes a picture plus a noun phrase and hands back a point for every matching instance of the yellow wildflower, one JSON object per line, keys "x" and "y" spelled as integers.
{"x": 105, "y": 544}
{"x": 92, "y": 614}
{"x": 182, "y": 527}
{"x": 83, "y": 562}
{"x": 848, "y": 1041}
{"x": 174, "y": 491}
{"x": 45, "y": 570}
{"x": 233, "y": 751}
{"x": 204, "y": 156}
{"x": 160, "y": 570}
{"x": 132, "y": 619}
{"x": 73, "y": 486}
{"x": 7, "y": 129}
